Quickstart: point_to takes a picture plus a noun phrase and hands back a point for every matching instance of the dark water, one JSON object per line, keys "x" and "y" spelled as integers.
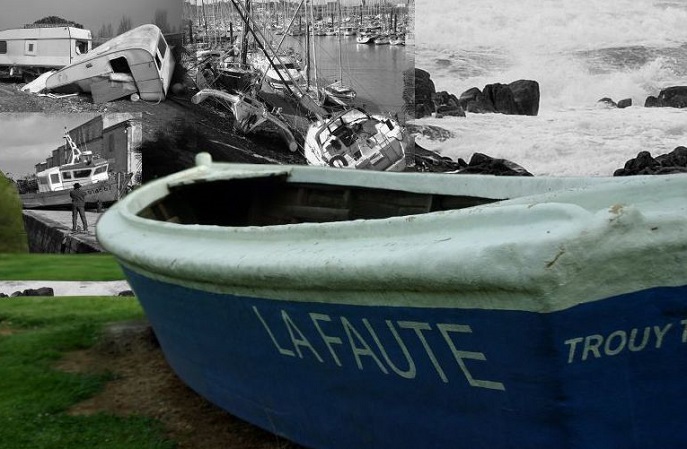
{"x": 374, "y": 71}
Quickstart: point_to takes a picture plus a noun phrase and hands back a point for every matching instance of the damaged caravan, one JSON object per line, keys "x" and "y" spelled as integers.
{"x": 136, "y": 62}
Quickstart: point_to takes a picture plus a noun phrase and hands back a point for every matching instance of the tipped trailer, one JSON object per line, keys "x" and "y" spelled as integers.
{"x": 137, "y": 61}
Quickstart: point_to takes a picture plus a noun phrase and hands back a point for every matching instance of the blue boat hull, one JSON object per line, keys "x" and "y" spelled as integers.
{"x": 607, "y": 373}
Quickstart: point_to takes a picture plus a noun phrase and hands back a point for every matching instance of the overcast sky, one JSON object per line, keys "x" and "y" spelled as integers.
{"x": 92, "y": 14}
{"x": 28, "y": 139}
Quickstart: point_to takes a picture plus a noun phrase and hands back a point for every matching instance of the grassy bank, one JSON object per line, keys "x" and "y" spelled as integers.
{"x": 34, "y": 396}
{"x": 35, "y": 333}
{"x": 59, "y": 267}
{"x": 12, "y": 235}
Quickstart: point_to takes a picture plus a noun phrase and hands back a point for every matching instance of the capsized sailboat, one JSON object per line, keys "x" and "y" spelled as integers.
{"x": 249, "y": 113}
{"x": 354, "y": 139}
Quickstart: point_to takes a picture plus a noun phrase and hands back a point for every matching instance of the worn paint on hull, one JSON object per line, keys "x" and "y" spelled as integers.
{"x": 607, "y": 373}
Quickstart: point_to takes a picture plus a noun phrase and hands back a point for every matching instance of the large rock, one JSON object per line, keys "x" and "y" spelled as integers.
{"x": 517, "y": 98}
{"x": 673, "y": 97}
{"x": 526, "y": 95}
{"x": 430, "y": 161}
{"x": 645, "y": 164}
{"x": 676, "y": 158}
{"x": 42, "y": 291}
{"x": 472, "y": 100}
{"x": 447, "y": 104}
{"x": 652, "y": 102}
{"x": 501, "y": 96}
{"x": 487, "y": 165}
{"x": 625, "y": 103}
{"x": 424, "y": 91}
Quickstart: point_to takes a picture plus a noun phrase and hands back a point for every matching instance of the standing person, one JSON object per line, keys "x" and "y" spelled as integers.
{"x": 78, "y": 205}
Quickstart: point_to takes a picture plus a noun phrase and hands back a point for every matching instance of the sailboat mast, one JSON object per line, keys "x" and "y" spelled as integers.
{"x": 314, "y": 55}
{"x": 362, "y": 2}
{"x": 244, "y": 39}
{"x": 307, "y": 51}
{"x": 255, "y": 32}
{"x": 205, "y": 21}
{"x": 339, "y": 34}
{"x": 286, "y": 30}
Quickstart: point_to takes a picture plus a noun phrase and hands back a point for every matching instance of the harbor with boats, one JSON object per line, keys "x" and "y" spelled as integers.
{"x": 300, "y": 67}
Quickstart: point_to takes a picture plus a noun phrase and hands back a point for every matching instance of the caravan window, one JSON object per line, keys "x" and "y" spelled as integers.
{"x": 161, "y": 51}
{"x": 101, "y": 169}
{"x": 67, "y": 175}
{"x": 3, "y": 47}
{"x": 81, "y": 47}
{"x": 162, "y": 47}
{"x": 30, "y": 47}
{"x": 55, "y": 178}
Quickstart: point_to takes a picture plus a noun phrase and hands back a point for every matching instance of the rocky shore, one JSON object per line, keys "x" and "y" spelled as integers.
{"x": 522, "y": 97}
{"x": 519, "y": 97}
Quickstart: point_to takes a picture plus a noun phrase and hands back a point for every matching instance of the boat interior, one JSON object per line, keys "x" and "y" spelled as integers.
{"x": 272, "y": 200}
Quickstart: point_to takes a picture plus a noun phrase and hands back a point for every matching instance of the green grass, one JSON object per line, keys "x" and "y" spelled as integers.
{"x": 12, "y": 235}
{"x": 59, "y": 267}
{"x": 34, "y": 397}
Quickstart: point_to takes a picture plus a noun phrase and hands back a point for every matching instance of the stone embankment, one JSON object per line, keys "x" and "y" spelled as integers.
{"x": 50, "y": 232}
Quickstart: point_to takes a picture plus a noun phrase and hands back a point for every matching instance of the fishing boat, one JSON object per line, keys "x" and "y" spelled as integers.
{"x": 355, "y": 139}
{"x": 137, "y": 61}
{"x": 377, "y": 310}
{"x": 83, "y": 167}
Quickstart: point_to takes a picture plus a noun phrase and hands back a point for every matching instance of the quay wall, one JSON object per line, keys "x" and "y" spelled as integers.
{"x": 48, "y": 233}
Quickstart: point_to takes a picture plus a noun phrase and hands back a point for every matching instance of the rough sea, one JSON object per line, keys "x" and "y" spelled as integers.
{"x": 579, "y": 51}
